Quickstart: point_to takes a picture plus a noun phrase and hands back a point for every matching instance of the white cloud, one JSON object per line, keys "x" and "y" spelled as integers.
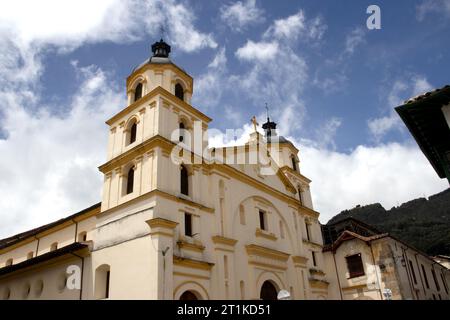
{"x": 331, "y": 75}
{"x": 261, "y": 84}
{"x": 261, "y": 51}
{"x": 330, "y": 82}
{"x": 428, "y": 7}
{"x": 220, "y": 60}
{"x": 389, "y": 174}
{"x": 401, "y": 91}
{"x": 49, "y": 163}
{"x": 210, "y": 85}
{"x": 354, "y": 39}
{"x": 326, "y": 133}
{"x": 241, "y": 14}
{"x": 294, "y": 26}
{"x": 380, "y": 126}
{"x": 68, "y": 24}
{"x": 182, "y": 32}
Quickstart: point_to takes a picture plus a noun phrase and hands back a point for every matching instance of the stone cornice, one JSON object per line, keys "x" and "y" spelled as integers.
{"x": 139, "y": 150}
{"x": 192, "y": 263}
{"x": 190, "y": 246}
{"x": 161, "y": 193}
{"x": 253, "y": 249}
{"x": 224, "y": 240}
{"x": 168, "y": 96}
{"x": 136, "y": 73}
{"x": 314, "y": 244}
{"x": 296, "y": 173}
{"x": 162, "y": 223}
{"x": 299, "y": 260}
{"x": 265, "y": 234}
{"x": 318, "y": 284}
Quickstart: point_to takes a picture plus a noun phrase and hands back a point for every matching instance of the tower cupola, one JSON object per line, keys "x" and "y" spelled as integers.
{"x": 269, "y": 129}
{"x": 161, "y": 49}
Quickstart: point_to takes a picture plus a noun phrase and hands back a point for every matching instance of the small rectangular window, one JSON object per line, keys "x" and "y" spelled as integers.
{"x": 314, "y": 258}
{"x": 355, "y": 265}
{"x": 308, "y": 235}
{"x": 188, "y": 224}
{"x": 425, "y": 276}
{"x": 436, "y": 283}
{"x": 412, "y": 271}
{"x": 262, "y": 220}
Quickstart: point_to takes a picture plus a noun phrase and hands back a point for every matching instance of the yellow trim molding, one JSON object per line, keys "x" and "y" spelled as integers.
{"x": 318, "y": 284}
{"x": 224, "y": 240}
{"x": 264, "y": 234}
{"x": 253, "y": 249}
{"x": 191, "y": 263}
{"x": 167, "y": 95}
{"x": 356, "y": 287}
{"x": 190, "y": 246}
{"x": 161, "y": 223}
{"x": 299, "y": 260}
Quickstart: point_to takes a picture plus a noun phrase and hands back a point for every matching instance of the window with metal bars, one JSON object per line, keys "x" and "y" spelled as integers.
{"x": 355, "y": 265}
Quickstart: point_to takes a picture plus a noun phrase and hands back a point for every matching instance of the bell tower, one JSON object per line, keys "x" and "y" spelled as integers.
{"x": 157, "y": 117}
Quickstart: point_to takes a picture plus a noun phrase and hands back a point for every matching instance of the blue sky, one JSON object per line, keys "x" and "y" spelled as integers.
{"x": 331, "y": 85}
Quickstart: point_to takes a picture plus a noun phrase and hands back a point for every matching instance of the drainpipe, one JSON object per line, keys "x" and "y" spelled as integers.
{"x": 376, "y": 271}
{"x": 82, "y": 273}
{"x": 408, "y": 273}
{"x": 337, "y": 274}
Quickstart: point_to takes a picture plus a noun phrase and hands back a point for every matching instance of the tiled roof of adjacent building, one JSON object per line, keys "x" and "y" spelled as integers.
{"x": 445, "y": 89}
{"x": 6, "y": 242}
{"x": 71, "y": 248}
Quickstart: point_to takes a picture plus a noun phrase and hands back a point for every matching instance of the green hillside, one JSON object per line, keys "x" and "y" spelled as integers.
{"x": 422, "y": 223}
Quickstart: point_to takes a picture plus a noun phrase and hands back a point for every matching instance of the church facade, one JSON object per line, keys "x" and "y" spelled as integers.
{"x": 178, "y": 219}
{"x": 191, "y": 223}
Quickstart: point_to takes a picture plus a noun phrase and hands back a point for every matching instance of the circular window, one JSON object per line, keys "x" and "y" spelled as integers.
{"x": 38, "y": 288}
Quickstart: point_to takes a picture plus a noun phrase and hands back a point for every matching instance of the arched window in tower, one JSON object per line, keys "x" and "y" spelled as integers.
{"x": 133, "y": 130}
{"x": 179, "y": 92}
{"x": 182, "y": 128}
{"x": 130, "y": 180}
{"x": 184, "y": 182}
{"x": 294, "y": 163}
{"x": 300, "y": 195}
{"x": 138, "y": 92}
